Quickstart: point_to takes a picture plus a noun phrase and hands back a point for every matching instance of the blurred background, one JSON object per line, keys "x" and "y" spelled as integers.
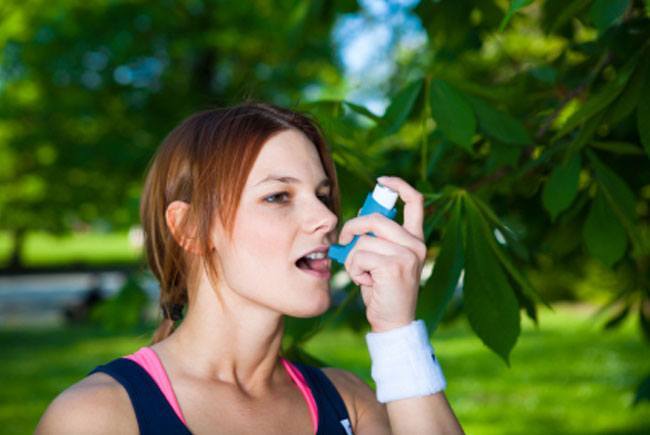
{"x": 525, "y": 124}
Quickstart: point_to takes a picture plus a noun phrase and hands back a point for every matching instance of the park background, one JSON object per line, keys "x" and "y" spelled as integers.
{"x": 526, "y": 125}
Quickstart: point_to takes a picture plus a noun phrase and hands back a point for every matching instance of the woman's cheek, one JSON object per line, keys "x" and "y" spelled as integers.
{"x": 267, "y": 238}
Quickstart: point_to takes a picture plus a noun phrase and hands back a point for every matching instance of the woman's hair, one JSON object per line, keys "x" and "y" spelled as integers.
{"x": 205, "y": 162}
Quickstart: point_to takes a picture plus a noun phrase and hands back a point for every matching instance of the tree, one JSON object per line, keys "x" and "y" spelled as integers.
{"x": 88, "y": 90}
{"x": 527, "y": 132}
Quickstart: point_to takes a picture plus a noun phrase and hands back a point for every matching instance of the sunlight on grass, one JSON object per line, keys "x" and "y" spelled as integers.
{"x": 567, "y": 377}
{"x": 42, "y": 249}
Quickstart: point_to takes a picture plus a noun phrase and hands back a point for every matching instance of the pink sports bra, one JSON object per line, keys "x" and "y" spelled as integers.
{"x": 149, "y": 361}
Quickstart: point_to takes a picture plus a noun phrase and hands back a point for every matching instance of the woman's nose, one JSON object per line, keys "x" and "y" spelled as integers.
{"x": 321, "y": 219}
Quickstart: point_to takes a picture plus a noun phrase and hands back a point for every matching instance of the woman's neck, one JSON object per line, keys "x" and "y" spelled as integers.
{"x": 227, "y": 339}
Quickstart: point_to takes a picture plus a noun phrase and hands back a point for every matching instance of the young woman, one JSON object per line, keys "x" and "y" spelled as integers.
{"x": 234, "y": 200}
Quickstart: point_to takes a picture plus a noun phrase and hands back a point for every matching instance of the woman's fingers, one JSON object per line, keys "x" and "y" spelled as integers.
{"x": 413, "y": 204}
{"x": 361, "y": 266}
{"x": 383, "y": 228}
{"x": 388, "y": 266}
{"x": 388, "y": 284}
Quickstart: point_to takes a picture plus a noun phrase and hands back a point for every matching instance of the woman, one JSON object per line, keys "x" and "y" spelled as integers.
{"x": 233, "y": 199}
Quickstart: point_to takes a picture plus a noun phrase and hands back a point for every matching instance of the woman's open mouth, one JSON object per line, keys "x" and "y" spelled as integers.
{"x": 319, "y": 268}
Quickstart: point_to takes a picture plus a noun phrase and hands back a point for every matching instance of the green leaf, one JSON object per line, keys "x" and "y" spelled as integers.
{"x": 511, "y": 239}
{"x": 398, "y": 110}
{"x": 438, "y": 151}
{"x": 561, "y": 187}
{"x": 622, "y": 148}
{"x": 620, "y": 199}
{"x": 440, "y": 287}
{"x": 528, "y": 304}
{"x": 600, "y": 100}
{"x": 603, "y": 234}
{"x": 569, "y": 11}
{"x": 502, "y": 155}
{"x": 489, "y": 301}
{"x": 604, "y": 13}
{"x": 362, "y": 111}
{"x": 515, "y": 5}
{"x": 434, "y": 221}
{"x": 453, "y": 113}
{"x": 643, "y": 115}
{"x": 500, "y": 125}
{"x": 615, "y": 189}
{"x": 629, "y": 98}
{"x": 585, "y": 135}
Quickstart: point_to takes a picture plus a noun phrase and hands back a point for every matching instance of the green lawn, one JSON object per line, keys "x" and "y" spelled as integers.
{"x": 43, "y": 249}
{"x": 566, "y": 378}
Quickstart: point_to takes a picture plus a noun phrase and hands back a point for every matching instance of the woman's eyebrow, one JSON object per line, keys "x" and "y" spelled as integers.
{"x": 291, "y": 180}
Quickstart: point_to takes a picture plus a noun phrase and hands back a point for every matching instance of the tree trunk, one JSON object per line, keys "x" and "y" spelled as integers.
{"x": 16, "y": 259}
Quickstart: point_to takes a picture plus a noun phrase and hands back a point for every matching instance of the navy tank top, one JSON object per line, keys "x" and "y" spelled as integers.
{"x": 156, "y": 416}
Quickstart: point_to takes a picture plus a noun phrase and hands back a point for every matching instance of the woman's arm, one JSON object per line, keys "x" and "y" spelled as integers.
{"x": 417, "y": 415}
{"x": 95, "y": 405}
{"x": 388, "y": 269}
{"x": 423, "y": 415}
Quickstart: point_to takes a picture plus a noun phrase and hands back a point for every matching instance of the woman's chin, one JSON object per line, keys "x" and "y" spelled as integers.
{"x": 317, "y": 306}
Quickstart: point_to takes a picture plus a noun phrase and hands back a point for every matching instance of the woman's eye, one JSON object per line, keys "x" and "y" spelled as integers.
{"x": 275, "y": 195}
{"x": 272, "y": 199}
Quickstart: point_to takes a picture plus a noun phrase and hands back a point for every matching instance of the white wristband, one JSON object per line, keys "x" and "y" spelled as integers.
{"x": 403, "y": 363}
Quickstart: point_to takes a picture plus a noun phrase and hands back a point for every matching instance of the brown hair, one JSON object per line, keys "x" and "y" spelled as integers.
{"x": 205, "y": 161}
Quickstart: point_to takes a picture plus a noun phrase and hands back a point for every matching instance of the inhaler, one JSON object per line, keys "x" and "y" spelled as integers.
{"x": 381, "y": 200}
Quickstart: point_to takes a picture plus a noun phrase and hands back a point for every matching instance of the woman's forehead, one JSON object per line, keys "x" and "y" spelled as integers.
{"x": 290, "y": 157}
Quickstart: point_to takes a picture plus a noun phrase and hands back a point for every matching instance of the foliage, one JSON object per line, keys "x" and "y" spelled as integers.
{"x": 517, "y": 146}
{"x": 88, "y": 90}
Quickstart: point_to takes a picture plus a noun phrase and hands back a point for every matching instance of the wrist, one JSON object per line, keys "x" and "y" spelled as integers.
{"x": 389, "y": 326}
{"x": 403, "y": 363}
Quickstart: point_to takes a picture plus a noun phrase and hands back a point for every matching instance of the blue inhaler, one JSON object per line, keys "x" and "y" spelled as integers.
{"x": 382, "y": 200}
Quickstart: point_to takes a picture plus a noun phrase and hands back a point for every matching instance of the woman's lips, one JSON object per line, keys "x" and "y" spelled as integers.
{"x": 321, "y": 274}
{"x": 319, "y": 268}
{"x": 321, "y": 264}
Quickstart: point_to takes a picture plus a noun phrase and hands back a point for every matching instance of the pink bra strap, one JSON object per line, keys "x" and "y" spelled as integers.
{"x": 299, "y": 379}
{"x": 148, "y": 360}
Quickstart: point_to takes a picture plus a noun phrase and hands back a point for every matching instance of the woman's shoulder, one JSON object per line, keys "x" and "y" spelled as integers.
{"x": 96, "y": 404}
{"x": 366, "y": 413}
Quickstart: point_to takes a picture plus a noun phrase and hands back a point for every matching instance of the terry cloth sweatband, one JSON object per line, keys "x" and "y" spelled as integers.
{"x": 403, "y": 363}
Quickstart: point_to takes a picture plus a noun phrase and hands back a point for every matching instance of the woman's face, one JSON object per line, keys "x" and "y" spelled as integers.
{"x": 279, "y": 221}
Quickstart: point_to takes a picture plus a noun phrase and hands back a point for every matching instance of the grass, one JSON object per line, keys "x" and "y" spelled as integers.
{"x": 567, "y": 377}
{"x": 43, "y": 249}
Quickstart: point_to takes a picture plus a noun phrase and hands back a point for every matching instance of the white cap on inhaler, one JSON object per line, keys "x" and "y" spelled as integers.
{"x": 385, "y": 196}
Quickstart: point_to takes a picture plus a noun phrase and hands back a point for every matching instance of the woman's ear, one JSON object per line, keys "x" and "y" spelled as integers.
{"x": 182, "y": 227}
